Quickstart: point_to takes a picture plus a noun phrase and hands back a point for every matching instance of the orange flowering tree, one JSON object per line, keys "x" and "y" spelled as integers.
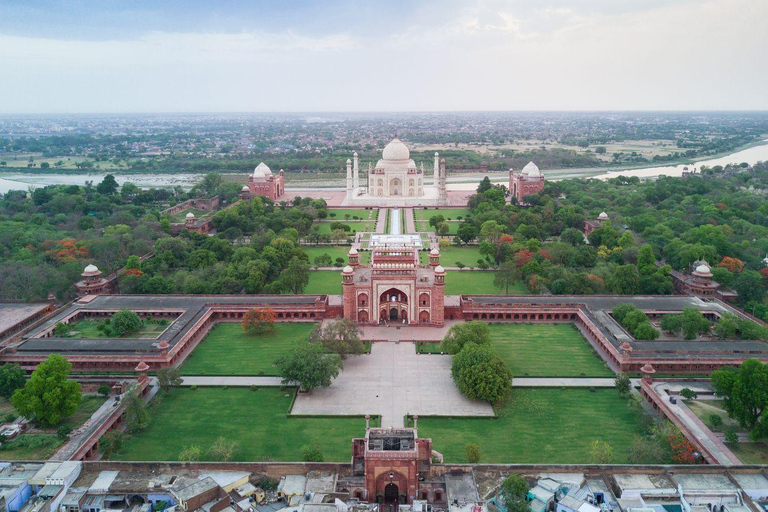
{"x": 682, "y": 449}
{"x": 68, "y": 249}
{"x": 734, "y": 265}
{"x": 258, "y": 321}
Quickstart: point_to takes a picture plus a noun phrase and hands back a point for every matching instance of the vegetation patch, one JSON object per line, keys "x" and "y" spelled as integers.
{"x": 467, "y": 282}
{"x": 324, "y": 282}
{"x": 256, "y": 419}
{"x": 547, "y": 350}
{"x": 227, "y": 350}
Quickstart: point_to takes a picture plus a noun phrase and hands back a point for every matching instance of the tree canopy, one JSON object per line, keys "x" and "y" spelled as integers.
{"x": 48, "y": 396}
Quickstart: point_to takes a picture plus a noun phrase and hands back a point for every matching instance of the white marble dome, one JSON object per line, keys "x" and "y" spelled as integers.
{"x": 439, "y": 269}
{"x": 396, "y": 151}
{"x": 262, "y": 171}
{"x": 603, "y": 216}
{"x": 531, "y": 170}
{"x": 91, "y": 268}
{"x": 434, "y": 252}
{"x": 703, "y": 268}
{"x": 352, "y": 252}
{"x": 190, "y": 215}
{"x": 348, "y": 269}
{"x": 245, "y": 188}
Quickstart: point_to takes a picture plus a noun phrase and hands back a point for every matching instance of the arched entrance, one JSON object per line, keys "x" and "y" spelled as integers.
{"x": 393, "y": 305}
{"x": 393, "y": 313}
{"x": 391, "y": 493}
{"x": 395, "y": 187}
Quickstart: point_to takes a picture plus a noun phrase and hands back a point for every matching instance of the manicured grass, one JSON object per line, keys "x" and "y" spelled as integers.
{"x": 470, "y": 282}
{"x": 422, "y": 347}
{"x": 88, "y": 329}
{"x": 355, "y": 226}
{"x": 423, "y": 226}
{"x": 705, "y": 409}
{"x": 227, "y": 350}
{"x": 542, "y": 425}
{"x": 547, "y": 350}
{"x": 256, "y": 419}
{"x": 85, "y": 410}
{"x": 748, "y": 453}
{"x": 324, "y": 281}
{"x": 447, "y": 213}
{"x": 451, "y": 254}
{"x": 360, "y": 213}
{"x": 334, "y": 251}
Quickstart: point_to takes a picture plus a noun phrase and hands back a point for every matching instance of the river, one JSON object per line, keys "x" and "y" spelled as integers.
{"x": 21, "y": 181}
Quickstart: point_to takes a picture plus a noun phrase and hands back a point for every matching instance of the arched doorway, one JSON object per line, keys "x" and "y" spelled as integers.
{"x": 393, "y": 314}
{"x": 393, "y": 305}
{"x": 395, "y": 187}
{"x": 391, "y": 493}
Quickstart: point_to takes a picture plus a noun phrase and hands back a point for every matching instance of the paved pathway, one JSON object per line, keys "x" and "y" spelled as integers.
{"x": 381, "y": 221}
{"x": 410, "y": 223}
{"x": 692, "y": 422}
{"x": 392, "y": 381}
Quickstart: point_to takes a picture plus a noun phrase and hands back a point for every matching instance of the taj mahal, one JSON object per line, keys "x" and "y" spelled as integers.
{"x": 396, "y": 179}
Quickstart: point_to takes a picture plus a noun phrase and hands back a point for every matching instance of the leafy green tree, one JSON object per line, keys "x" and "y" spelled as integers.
{"x": 693, "y": 322}
{"x": 443, "y": 228}
{"x": 515, "y": 487}
{"x": 671, "y": 324}
{"x": 309, "y": 366}
{"x": 190, "y": 453}
{"x": 111, "y": 442}
{"x": 688, "y": 393}
{"x": 466, "y": 232}
{"x": 341, "y": 336}
{"x": 506, "y": 275}
{"x": 745, "y": 392}
{"x": 622, "y": 383}
{"x": 625, "y": 280}
{"x": 295, "y": 277}
{"x": 169, "y": 377}
{"x": 104, "y": 390}
{"x": 137, "y": 414}
{"x": 645, "y": 331}
{"x": 572, "y": 236}
{"x": 473, "y": 453}
{"x": 601, "y": 452}
{"x": 485, "y": 185}
{"x": 312, "y": 453}
{"x": 480, "y": 374}
{"x": 108, "y": 186}
{"x": 63, "y": 432}
{"x": 436, "y": 220}
{"x": 620, "y": 311}
{"x": 12, "y": 377}
{"x": 465, "y": 333}
{"x": 48, "y": 396}
{"x": 750, "y": 286}
{"x": 324, "y": 260}
{"x": 125, "y": 322}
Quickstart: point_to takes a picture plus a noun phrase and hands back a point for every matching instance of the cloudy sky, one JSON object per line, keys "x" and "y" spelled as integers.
{"x": 387, "y": 55}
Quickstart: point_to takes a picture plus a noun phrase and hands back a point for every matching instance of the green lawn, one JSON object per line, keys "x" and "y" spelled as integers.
{"x": 547, "y": 350}
{"x": 423, "y": 226}
{"x": 360, "y": 213}
{"x": 543, "y": 425}
{"x": 257, "y": 419}
{"x": 88, "y": 329}
{"x": 227, "y": 350}
{"x": 324, "y": 281}
{"x": 451, "y": 254}
{"x": 470, "y": 282}
{"x": 355, "y": 226}
{"x": 705, "y": 409}
{"x": 748, "y": 453}
{"x": 334, "y": 251}
{"x": 447, "y": 213}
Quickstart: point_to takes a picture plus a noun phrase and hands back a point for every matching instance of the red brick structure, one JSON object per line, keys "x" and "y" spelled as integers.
{"x": 528, "y": 182}
{"x": 265, "y": 184}
{"x": 699, "y": 283}
{"x": 394, "y": 288}
{"x": 593, "y": 224}
{"x": 393, "y": 462}
{"x": 94, "y": 283}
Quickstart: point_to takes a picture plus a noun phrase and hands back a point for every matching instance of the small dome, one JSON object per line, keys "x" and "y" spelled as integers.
{"x": 703, "y": 268}
{"x": 352, "y": 252}
{"x": 434, "y": 252}
{"x": 348, "y": 270}
{"x": 349, "y": 161}
{"x": 439, "y": 269}
{"x": 529, "y": 168}
{"x": 603, "y": 216}
{"x": 91, "y": 268}
{"x": 142, "y": 367}
{"x": 190, "y": 215}
{"x": 245, "y": 188}
{"x": 396, "y": 151}
{"x": 262, "y": 170}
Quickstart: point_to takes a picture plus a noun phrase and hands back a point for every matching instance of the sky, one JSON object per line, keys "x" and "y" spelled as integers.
{"x": 115, "y": 56}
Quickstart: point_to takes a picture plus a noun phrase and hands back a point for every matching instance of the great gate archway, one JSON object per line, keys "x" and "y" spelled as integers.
{"x": 393, "y": 305}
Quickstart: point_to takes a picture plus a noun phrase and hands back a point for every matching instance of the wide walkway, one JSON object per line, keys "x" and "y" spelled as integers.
{"x": 381, "y": 220}
{"x": 392, "y": 381}
{"x": 410, "y": 223}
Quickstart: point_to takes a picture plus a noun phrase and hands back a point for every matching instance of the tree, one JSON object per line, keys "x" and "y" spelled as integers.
{"x": 744, "y": 391}
{"x": 506, "y": 275}
{"x": 693, "y": 322}
{"x": 645, "y": 331}
{"x": 625, "y": 280}
{"x": 671, "y": 324}
{"x": 104, "y": 390}
{"x": 311, "y": 452}
{"x": 136, "y": 413}
{"x": 108, "y": 186}
{"x": 12, "y": 377}
{"x": 572, "y": 236}
{"x": 169, "y": 377}
{"x": 465, "y": 333}
{"x": 436, "y": 220}
{"x": 111, "y": 442}
{"x": 125, "y": 322}
{"x": 473, "y": 453}
{"x": 443, "y": 228}
{"x": 223, "y": 449}
{"x": 733, "y": 265}
{"x": 340, "y": 337}
{"x": 622, "y": 310}
{"x": 258, "y": 321}
{"x": 622, "y": 383}
{"x": 309, "y": 366}
{"x": 688, "y": 393}
{"x": 601, "y": 452}
{"x": 749, "y": 285}
{"x": 515, "y": 487}
{"x": 324, "y": 260}
{"x": 190, "y": 453}
{"x": 296, "y": 276}
{"x": 48, "y": 396}
{"x": 480, "y": 374}
{"x": 466, "y": 232}
{"x": 485, "y": 185}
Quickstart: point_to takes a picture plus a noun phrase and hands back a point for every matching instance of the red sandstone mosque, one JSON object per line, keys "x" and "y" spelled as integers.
{"x": 263, "y": 183}
{"x": 528, "y": 182}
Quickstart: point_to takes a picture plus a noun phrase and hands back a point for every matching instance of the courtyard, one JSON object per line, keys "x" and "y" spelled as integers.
{"x": 227, "y": 350}
{"x": 257, "y": 419}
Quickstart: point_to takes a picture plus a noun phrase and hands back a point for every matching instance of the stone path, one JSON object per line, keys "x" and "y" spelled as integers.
{"x": 692, "y": 422}
{"x": 381, "y": 221}
{"x": 410, "y": 223}
{"x": 392, "y": 381}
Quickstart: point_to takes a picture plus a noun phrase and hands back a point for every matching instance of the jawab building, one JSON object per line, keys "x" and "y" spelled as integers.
{"x": 396, "y": 180}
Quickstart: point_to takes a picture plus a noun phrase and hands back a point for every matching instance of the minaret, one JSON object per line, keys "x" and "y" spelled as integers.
{"x": 349, "y": 175}
{"x": 370, "y": 181}
{"x": 437, "y": 168}
{"x": 355, "y": 172}
{"x": 441, "y": 193}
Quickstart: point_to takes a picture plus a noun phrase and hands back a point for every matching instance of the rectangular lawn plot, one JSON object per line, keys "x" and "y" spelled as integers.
{"x": 547, "y": 350}
{"x": 475, "y": 282}
{"x": 227, "y": 350}
{"x": 324, "y": 282}
{"x": 360, "y": 213}
{"x": 447, "y": 213}
{"x": 256, "y": 419}
{"x": 541, "y": 426}
{"x": 334, "y": 251}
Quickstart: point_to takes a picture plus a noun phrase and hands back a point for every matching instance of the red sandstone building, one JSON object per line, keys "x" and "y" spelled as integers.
{"x": 94, "y": 283}
{"x": 264, "y": 184}
{"x": 528, "y": 182}
{"x": 394, "y": 288}
{"x": 593, "y": 224}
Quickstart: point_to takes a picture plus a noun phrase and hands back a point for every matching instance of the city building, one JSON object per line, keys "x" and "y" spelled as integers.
{"x": 264, "y": 184}
{"x": 396, "y": 180}
{"x": 528, "y": 182}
